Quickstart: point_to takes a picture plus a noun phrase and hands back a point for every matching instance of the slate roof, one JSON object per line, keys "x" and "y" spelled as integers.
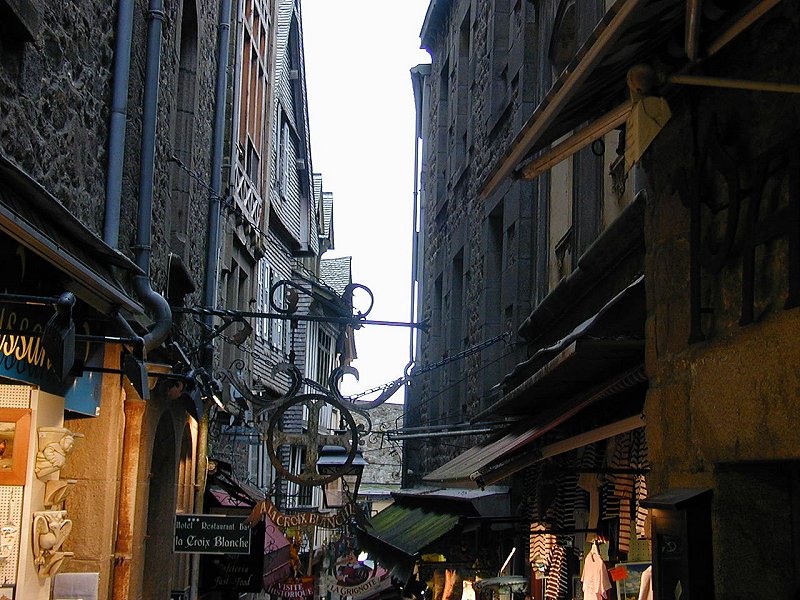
{"x": 336, "y": 273}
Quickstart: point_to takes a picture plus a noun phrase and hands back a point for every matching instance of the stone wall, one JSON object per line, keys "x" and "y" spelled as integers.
{"x": 723, "y": 394}
{"x": 55, "y": 96}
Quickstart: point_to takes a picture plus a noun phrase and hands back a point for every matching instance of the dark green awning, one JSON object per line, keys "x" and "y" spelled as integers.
{"x": 410, "y": 529}
{"x": 397, "y": 535}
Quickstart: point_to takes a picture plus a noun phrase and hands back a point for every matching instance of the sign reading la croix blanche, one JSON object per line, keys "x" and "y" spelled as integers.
{"x": 211, "y": 534}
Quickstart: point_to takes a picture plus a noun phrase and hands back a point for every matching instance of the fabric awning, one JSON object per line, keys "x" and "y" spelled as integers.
{"x": 397, "y": 534}
{"x": 420, "y": 517}
{"x": 468, "y": 467}
{"x": 34, "y": 218}
{"x": 601, "y": 357}
{"x": 593, "y": 87}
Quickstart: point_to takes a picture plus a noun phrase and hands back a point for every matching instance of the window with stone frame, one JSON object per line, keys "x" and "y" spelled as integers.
{"x": 181, "y": 184}
{"x": 460, "y": 99}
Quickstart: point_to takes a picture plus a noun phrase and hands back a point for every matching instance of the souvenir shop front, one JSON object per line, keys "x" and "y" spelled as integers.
{"x": 575, "y": 458}
{"x": 437, "y": 542}
{"x": 58, "y": 292}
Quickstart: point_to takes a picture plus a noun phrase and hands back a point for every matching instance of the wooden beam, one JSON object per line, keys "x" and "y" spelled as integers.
{"x": 735, "y": 84}
{"x": 751, "y": 16}
{"x": 575, "y": 142}
{"x": 538, "y": 123}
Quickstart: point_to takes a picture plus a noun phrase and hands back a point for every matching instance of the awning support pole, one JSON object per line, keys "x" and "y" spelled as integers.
{"x": 692, "y": 34}
{"x": 538, "y": 123}
{"x": 750, "y": 17}
{"x": 735, "y": 84}
{"x": 575, "y": 142}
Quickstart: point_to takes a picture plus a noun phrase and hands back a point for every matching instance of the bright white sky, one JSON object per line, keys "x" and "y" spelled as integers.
{"x": 358, "y": 54}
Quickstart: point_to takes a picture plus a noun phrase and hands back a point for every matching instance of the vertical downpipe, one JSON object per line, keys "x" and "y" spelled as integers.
{"x": 116, "y": 129}
{"x": 212, "y": 253}
{"x": 135, "y": 407}
{"x": 142, "y": 249}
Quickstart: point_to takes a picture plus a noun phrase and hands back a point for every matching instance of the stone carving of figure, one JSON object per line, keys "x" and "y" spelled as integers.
{"x": 55, "y": 445}
{"x": 50, "y": 529}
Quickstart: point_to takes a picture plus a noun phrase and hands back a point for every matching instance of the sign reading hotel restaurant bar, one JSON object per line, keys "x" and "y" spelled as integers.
{"x": 211, "y": 534}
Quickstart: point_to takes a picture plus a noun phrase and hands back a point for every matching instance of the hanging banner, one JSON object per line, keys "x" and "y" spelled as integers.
{"x": 329, "y": 521}
{"x": 350, "y": 577}
{"x": 277, "y": 555}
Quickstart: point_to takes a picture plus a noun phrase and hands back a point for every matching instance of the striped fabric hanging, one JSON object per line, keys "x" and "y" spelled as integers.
{"x": 640, "y": 461}
{"x": 557, "y": 585}
{"x": 623, "y": 487}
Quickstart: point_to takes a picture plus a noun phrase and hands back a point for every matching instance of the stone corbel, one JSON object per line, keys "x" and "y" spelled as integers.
{"x": 56, "y": 491}
{"x": 55, "y": 445}
{"x": 50, "y": 529}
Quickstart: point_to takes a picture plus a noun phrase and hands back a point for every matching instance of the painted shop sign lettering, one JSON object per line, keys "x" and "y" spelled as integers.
{"x": 329, "y": 521}
{"x": 371, "y": 586}
{"x": 293, "y": 588}
{"x": 211, "y": 534}
{"x": 21, "y": 353}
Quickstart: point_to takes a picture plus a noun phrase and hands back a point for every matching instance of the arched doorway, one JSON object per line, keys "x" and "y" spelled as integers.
{"x": 184, "y": 503}
{"x": 160, "y": 513}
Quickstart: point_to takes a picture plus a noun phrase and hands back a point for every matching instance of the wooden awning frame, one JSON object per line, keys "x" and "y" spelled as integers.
{"x": 515, "y": 164}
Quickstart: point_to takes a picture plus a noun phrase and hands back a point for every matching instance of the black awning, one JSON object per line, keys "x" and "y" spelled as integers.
{"x": 604, "y": 346}
{"x": 37, "y": 220}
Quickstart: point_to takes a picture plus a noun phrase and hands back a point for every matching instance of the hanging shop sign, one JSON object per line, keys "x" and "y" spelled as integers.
{"x": 22, "y": 357}
{"x": 292, "y": 588}
{"x": 367, "y": 587}
{"x": 329, "y": 521}
{"x": 235, "y": 572}
{"x": 211, "y": 534}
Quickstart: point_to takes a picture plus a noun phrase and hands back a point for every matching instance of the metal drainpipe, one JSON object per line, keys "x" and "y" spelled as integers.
{"x": 142, "y": 249}
{"x": 134, "y": 407}
{"x": 119, "y": 116}
{"x": 212, "y": 254}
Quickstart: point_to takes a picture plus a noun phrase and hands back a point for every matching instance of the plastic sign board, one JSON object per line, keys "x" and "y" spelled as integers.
{"x": 211, "y": 534}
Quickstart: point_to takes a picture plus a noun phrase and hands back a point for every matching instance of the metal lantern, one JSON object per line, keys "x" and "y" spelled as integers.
{"x": 339, "y": 492}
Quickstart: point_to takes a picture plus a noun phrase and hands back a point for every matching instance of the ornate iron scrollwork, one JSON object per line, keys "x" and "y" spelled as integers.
{"x": 312, "y": 439}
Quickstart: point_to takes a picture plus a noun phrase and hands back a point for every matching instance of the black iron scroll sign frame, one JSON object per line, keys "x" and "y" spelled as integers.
{"x": 315, "y": 401}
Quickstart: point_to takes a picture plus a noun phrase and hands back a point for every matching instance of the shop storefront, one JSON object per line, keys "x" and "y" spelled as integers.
{"x": 60, "y": 290}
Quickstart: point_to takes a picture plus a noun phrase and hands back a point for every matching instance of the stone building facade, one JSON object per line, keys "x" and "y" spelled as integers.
{"x": 67, "y": 90}
{"x": 610, "y": 184}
